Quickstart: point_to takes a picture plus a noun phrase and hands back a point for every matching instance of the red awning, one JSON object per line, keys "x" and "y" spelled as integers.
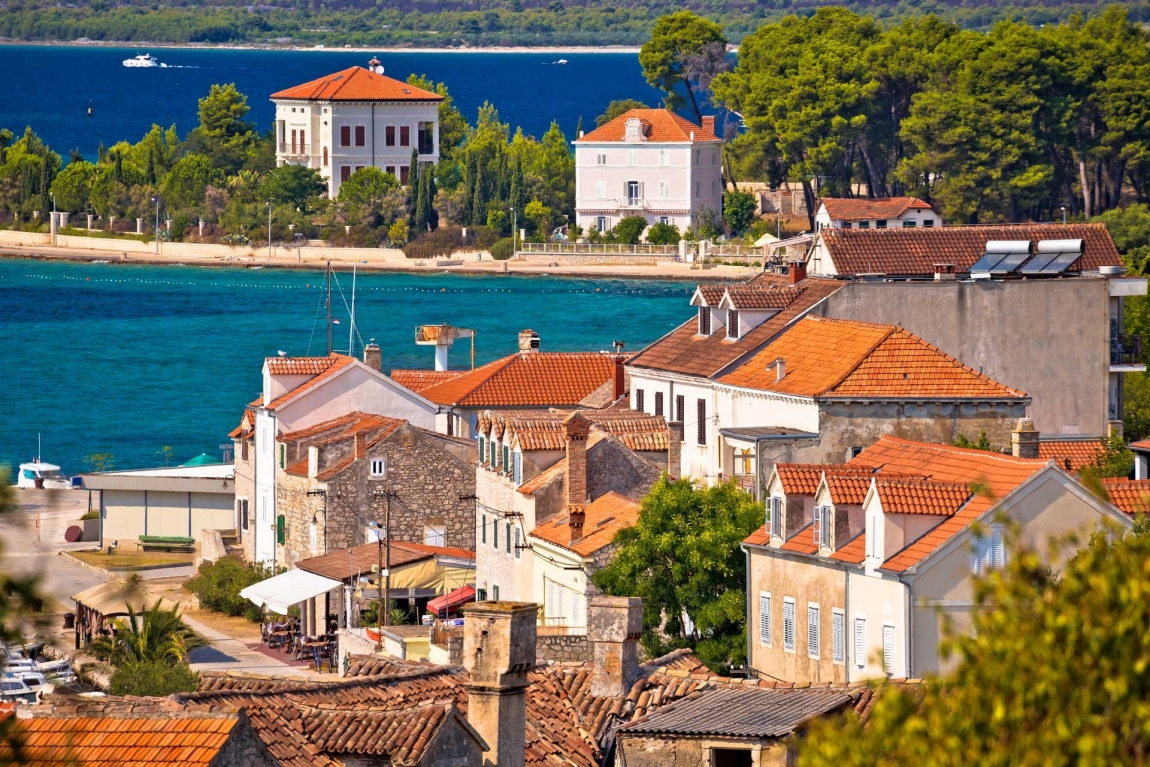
{"x": 451, "y": 601}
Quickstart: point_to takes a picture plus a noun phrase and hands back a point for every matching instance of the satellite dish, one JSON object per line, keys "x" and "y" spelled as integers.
{"x": 379, "y": 69}
{"x": 375, "y": 66}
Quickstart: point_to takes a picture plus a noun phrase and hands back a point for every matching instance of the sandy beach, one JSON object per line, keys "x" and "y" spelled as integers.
{"x": 549, "y": 49}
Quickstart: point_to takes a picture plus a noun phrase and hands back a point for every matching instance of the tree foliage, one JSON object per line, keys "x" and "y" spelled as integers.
{"x": 294, "y": 185}
{"x": 157, "y": 634}
{"x": 153, "y": 678}
{"x": 677, "y": 39}
{"x": 217, "y": 586}
{"x": 683, "y": 558}
{"x": 738, "y": 211}
{"x": 1052, "y": 672}
{"x": 618, "y": 108}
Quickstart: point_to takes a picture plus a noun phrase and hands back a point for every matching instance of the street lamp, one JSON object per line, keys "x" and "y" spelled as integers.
{"x": 1063, "y": 214}
{"x": 383, "y": 538}
{"x": 514, "y": 232}
{"x": 53, "y": 196}
{"x": 269, "y": 230}
{"x": 157, "y": 230}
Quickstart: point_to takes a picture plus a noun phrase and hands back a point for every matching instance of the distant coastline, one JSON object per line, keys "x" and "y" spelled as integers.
{"x": 129, "y": 45}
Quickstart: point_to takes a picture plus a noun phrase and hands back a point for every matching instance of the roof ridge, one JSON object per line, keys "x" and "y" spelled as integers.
{"x": 940, "y": 447}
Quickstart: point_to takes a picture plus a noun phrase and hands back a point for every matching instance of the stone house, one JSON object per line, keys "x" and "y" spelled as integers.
{"x": 862, "y": 584}
{"x": 342, "y": 474}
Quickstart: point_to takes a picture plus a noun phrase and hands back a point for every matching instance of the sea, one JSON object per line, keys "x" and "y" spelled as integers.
{"x": 128, "y": 359}
{"x": 51, "y": 87}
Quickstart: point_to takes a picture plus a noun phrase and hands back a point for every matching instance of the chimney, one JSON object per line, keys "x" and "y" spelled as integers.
{"x": 528, "y": 341}
{"x": 1114, "y": 430}
{"x": 498, "y": 652}
{"x": 360, "y": 445}
{"x": 709, "y": 124}
{"x": 944, "y": 272}
{"x": 796, "y": 272}
{"x": 674, "y": 446}
{"x": 576, "y": 427}
{"x": 780, "y": 366}
{"x": 372, "y": 357}
{"x": 1024, "y": 439}
{"x": 619, "y": 386}
{"x": 614, "y": 625}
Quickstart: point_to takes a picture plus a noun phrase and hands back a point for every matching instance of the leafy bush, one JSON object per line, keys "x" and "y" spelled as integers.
{"x": 443, "y": 242}
{"x": 153, "y": 678}
{"x": 218, "y": 585}
{"x": 663, "y": 234}
{"x": 501, "y": 251}
{"x": 90, "y": 515}
{"x": 738, "y": 210}
{"x": 629, "y": 229}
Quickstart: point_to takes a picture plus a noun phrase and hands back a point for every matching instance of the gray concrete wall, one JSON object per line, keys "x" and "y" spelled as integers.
{"x": 1046, "y": 337}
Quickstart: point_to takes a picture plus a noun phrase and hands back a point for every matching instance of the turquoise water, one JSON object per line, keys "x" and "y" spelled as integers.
{"x": 126, "y": 359}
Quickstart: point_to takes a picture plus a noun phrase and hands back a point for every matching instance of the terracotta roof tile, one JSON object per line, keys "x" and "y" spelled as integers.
{"x": 752, "y": 298}
{"x": 758, "y": 538}
{"x": 418, "y": 380}
{"x": 802, "y": 542}
{"x": 659, "y": 126}
{"x": 844, "y": 358}
{"x": 1070, "y": 454}
{"x": 1142, "y": 444}
{"x": 684, "y": 351}
{"x": 853, "y": 551}
{"x": 340, "y": 564}
{"x": 803, "y": 478}
{"x": 543, "y": 430}
{"x": 848, "y": 488}
{"x": 605, "y": 516}
{"x": 921, "y": 496}
{"x": 1131, "y": 496}
{"x": 538, "y": 379}
{"x": 860, "y": 208}
{"x": 357, "y": 84}
{"x": 915, "y": 251}
{"x": 298, "y": 366}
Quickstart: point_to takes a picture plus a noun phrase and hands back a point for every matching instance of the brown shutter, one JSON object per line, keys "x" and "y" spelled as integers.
{"x": 679, "y": 408}
{"x": 701, "y": 425}
{"x": 345, "y": 135}
{"x": 658, "y": 403}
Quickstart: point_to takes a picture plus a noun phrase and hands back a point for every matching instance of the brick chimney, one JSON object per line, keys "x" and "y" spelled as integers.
{"x": 360, "y": 445}
{"x": 614, "y": 625}
{"x": 1024, "y": 439}
{"x": 796, "y": 272}
{"x": 372, "y": 357}
{"x": 528, "y": 341}
{"x": 576, "y": 428}
{"x": 619, "y": 385}
{"x": 498, "y": 652}
{"x": 709, "y": 124}
{"x": 674, "y": 448}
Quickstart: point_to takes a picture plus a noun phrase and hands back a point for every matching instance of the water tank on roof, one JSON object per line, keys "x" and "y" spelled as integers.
{"x": 1062, "y": 246}
{"x": 1008, "y": 246}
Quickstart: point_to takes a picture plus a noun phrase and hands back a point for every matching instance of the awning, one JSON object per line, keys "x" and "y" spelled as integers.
{"x": 286, "y": 589}
{"x": 451, "y": 601}
{"x": 114, "y": 598}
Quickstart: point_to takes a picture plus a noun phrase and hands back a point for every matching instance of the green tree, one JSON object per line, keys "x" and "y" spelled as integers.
{"x": 153, "y": 678}
{"x": 540, "y": 217}
{"x": 154, "y": 634}
{"x": 739, "y": 211}
{"x": 189, "y": 179}
{"x": 363, "y": 194}
{"x": 73, "y": 187}
{"x": 397, "y": 233}
{"x": 663, "y": 234}
{"x": 98, "y": 462}
{"x": 1114, "y": 459}
{"x": 617, "y": 108}
{"x": 629, "y": 229}
{"x": 223, "y": 134}
{"x": 683, "y": 558}
{"x": 983, "y": 442}
{"x": 168, "y": 453}
{"x": 294, "y": 185}
{"x": 1129, "y": 227}
{"x": 674, "y": 38}
{"x": 1051, "y": 672}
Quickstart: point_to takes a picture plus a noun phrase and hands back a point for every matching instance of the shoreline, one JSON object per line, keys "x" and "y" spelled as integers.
{"x": 271, "y": 47}
{"x": 662, "y": 272}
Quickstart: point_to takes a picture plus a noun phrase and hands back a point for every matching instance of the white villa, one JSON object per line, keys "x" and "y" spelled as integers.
{"x": 882, "y": 213}
{"x": 353, "y": 119}
{"x": 650, "y": 163}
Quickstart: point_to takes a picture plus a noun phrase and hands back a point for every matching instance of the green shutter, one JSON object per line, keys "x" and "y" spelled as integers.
{"x": 495, "y": 533}
{"x": 481, "y": 449}
{"x": 281, "y": 532}
{"x": 506, "y": 458}
{"x": 508, "y": 531}
{"x": 283, "y": 456}
{"x": 484, "y": 518}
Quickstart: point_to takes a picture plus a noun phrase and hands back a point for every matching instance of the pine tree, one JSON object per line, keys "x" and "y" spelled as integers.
{"x": 468, "y": 172}
{"x": 432, "y": 191}
{"x": 478, "y": 197}
{"x": 100, "y": 152}
{"x": 45, "y": 180}
{"x": 413, "y": 174}
{"x": 517, "y": 197}
{"x": 150, "y": 173}
{"x": 421, "y": 205}
{"x": 118, "y": 169}
{"x": 579, "y": 127}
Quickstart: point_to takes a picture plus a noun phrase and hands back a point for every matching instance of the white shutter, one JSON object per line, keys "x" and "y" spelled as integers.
{"x": 816, "y": 526}
{"x": 888, "y": 650}
{"x": 764, "y": 618}
{"x": 997, "y": 548}
{"x": 518, "y": 476}
{"x": 789, "y": 624}
{"x": 981, "y": 554}
{"x": 860, "y": 642}
{"x": 813, "y": 631}
{"x": 837, "y": 638}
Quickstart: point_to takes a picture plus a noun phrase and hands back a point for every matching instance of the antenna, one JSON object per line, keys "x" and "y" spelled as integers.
{"x": 327, "y": 276}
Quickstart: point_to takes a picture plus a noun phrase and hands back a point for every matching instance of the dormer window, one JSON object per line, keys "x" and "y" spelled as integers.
{"x": 732, "y": 323}
{"x": 634, "y": 129}
{"x": 704, "y": 320}
{"x": 775, "y": 517}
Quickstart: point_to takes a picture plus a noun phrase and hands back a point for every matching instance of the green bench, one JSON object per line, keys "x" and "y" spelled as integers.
{"x": 166, "y": 543}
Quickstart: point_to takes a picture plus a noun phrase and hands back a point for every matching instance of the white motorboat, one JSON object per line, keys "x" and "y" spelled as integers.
{"x": 561, "y": 61}
{"x": 40, "y": 474}
{"x": 13, "y": 690}
{"x": 142, "y": 60}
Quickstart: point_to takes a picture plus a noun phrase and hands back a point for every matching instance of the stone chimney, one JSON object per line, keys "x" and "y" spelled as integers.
{"x": 360, "y": 445}
{"x": 614, "y": 625}
{"x": 796, "y": 272}
{"x": 619, "y": 383}
{"x": 498, "y": 652}
{"x": 576, "y": 427}
{"x": 709, "y": 123}
{"x": 1114, "y": 429}
{"x": 674, "y": 448}
{"x": 1024, "y": 439}
{"x": 528, "y": 341}
{"x": 372, "y": 357}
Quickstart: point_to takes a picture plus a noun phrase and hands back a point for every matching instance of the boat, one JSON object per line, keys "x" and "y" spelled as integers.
{"x": 142, "y": 60}
{"x": 561, "y": 61}
{"x": 13, "y": 690}
{"x": 40, "y": 474}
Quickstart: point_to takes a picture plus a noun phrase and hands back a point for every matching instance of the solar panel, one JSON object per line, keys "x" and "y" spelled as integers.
{"x": 1010, "y": 263}
{"x": 1061, "y": 262}
{"x": 988, "y": 262}
{"x": 1038, "y": 263}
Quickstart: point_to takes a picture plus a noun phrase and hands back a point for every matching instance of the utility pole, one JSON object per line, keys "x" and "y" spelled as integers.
{"x": 327, "y": 275}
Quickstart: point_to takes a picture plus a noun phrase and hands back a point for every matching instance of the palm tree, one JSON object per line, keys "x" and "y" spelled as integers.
{"x": 154, "y": 634}
{"x": 243, "y": 184}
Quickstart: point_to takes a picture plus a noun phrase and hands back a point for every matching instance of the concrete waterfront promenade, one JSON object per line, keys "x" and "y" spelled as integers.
{"x": 73, "y": 248}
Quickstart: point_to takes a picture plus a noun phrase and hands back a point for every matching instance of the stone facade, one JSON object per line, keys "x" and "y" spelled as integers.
{"x": 680, "y": 751}
{"x": 243, "y": 748}
{"x": 561, "y": 648}
{"x": 245, "y": 483}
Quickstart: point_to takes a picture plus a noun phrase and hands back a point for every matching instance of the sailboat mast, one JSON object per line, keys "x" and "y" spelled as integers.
{"x": 327, "y": 275}
{"x": 351, "y": 330}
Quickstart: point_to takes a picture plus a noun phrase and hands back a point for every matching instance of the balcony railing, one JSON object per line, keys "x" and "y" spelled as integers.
{"x": 1125, "y": 350}
{"x": 589, "y": 248}
{"x": 294, "y": 150}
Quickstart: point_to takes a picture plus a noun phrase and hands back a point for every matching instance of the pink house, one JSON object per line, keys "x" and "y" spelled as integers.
{"x": 650, "y": 163}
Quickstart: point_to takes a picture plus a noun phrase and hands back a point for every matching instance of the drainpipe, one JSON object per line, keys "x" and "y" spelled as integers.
{"x": 747, "y": 591}
{"x": 909, "y": 633}
{"x": 848, "y": 633}
{"x": 373, "y": 134}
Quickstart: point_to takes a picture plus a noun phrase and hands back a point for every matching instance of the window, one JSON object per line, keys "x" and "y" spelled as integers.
{"x": 664, "y": 157}
{"x": 838, "y": 636}
{"x": 601, "y": 158}
{"x": 391, "y": 169}
{"x": 632, "y": 156}
{"x": 698, "y": 156}
{"x": 680, "y": 407}
{"x": 701, "y": 426}
{"x": 658, "y": 403}
{"x": 495, "y": 534}
{"x": 243, "y": 450}
{"x": 517, "y": 549}
{"x": 704, "y": 321}
{"x": 714, "y": 188}
{"x": 378, "y": 468}
{"x": 491, "y": 453}
{"x": 822, "y": 526}
{"x": 325, "y": 157}
{"x": 517, "y": 468}
{"x": 389, "y": 135}
{"x": 788, "y": 624}
{"x": 481, "y": 595}
{"x": 303, "y": 142}
{"x": 483, "y": 528}
{"x": 344, "y": 172}
{"x": 864, "y": 224}
{"x": 698, "y": 188}
{"x": 434, "y": 536}
{"x": 360, "y": 135}
{"x": 928, "y": 223}
{"x": 634, "y": 192}
{"x": 345, "y": 135}
{"x": 507, "y": 530}
{"x": 283, "y": 456}
{"x": 989, "y": 551}
{"x": 860, "y": 642}
{"x": 403, "y": 171}
{"x": 507, "y": 458}
{"x": 664, "y": 192}
{"x": 293, "y": 140}
{"x": 482, "y": 449}
{"x": 495, "y": 593}
{"x": 601, "y": 222}
{"x": 908, "y": 224}
{"x": 600, "y": 190}
{"x": 664, "y": 220}
{"x": 813, "y": 630}
{"x": 888, "y": 650}
{"x": 846, "y": 225}
{"x": 243, "y": 505}
{"x": 405, "y": 135}
{"x": 714, "y": 158}
{"x": 764, "y": 618}
{"x": 732, "y": 323}
{"x": 639, "y": 403}
{"x": 880, "y": 224}
{"x": 775, "y": 516}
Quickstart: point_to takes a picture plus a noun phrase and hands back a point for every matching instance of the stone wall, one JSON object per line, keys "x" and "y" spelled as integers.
{"x": 244, "y": 748}
{"x": 597, "y": 259}
{"x": 211, "y": 546}
{"x": 561, "y": 648}
{"x": 679, "y": 751}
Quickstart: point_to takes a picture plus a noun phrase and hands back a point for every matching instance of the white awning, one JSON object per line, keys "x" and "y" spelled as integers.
{"x": 286, "y": 589}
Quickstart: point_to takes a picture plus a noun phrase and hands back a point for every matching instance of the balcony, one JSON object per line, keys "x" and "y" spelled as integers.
{"x": 288, "y": 149}
{"x": 1126, "y": 354}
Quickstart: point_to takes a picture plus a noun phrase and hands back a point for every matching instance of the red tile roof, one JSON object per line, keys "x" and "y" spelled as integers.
{"x": 299, "y": 366}
{"x": 1070, "y": 454}
{"x": 418, "y": 380}
{"x": 357, "y": 84}
{"x": 915, "y": 251}
{"x": 684, "y": 351}
{"x": 852, "y": 552}
{"x": 659, "y": 126}
{"x": 543, "y": 430}
{"x": 1131, "y": 496}
{"x": 802, "y": 542}
{"x": 533, "y": 379}
{"x": 803, "y": 478}
{"x": 996, "y": 475}
{"x": 327, "y": 367}
{"x": 754, "y": 298}
{"x": 844, "y": 358}
{"x": 758, "y": 538}
{"x": 862, "y": 209}
{"x": 921, "y": 496}
{"x": 605, "y": 516}
{"x": 1142, "y": 444}
{"x": 848, "y": 489}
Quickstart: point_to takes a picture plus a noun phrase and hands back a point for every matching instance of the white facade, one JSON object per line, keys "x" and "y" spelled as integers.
{"x": 658, "y": 392}
{"x": 911, "y": 217}
{"x": 339, "y": 138}
{"x": 668, "y": 182}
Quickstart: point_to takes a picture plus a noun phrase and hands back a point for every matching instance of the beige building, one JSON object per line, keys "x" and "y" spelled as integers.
{"x": 857, "y": 579}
